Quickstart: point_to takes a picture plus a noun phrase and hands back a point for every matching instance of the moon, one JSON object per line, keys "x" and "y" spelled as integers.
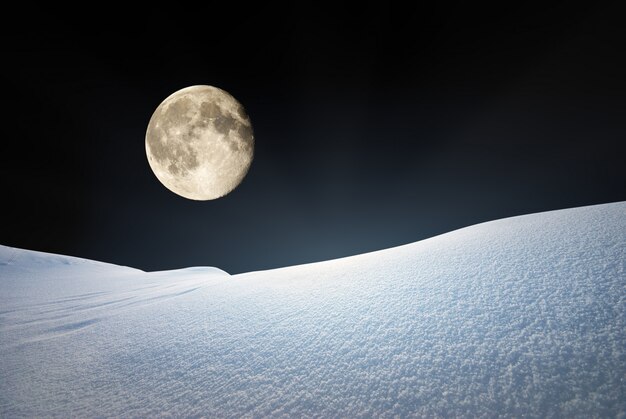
{"x": 200, "y": 143}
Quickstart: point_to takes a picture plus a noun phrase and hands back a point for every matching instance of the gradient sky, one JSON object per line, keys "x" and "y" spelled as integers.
{"x": 374, "y": 127}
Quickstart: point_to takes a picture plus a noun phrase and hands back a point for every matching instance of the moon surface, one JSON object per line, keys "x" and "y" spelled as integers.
{"x": 200, "y": 143}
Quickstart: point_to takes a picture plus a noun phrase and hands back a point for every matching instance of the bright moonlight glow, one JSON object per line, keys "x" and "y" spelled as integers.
{"x": 199, "y": 143}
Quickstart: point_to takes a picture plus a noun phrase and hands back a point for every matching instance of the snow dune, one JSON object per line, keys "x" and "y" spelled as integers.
{"x": 524, "y": 316}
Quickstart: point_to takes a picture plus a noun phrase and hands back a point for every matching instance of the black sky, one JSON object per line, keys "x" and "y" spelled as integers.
{"x": 375, "y": 126}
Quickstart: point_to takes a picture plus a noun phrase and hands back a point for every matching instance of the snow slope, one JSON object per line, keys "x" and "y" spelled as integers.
{"x": 523, "y": 316}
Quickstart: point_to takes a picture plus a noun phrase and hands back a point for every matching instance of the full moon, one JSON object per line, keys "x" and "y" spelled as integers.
{"x": 199, "y": 143}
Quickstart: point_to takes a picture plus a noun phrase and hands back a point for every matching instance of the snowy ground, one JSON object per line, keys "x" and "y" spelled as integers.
{"x": 521, "y": 316}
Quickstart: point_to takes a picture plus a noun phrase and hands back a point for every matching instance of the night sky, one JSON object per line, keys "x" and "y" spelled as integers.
{"x": 375, "y": 126}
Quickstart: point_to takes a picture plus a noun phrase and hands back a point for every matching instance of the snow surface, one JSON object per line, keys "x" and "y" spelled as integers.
{"x": 524, "y": 316}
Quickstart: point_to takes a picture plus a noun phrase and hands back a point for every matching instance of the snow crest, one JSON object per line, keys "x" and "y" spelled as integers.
{"x": 524, "y": 316}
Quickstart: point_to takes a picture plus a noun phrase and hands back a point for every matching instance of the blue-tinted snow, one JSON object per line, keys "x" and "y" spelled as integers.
{"x": 521, "y": 316}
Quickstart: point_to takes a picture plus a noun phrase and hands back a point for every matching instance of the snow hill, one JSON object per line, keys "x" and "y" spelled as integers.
{"x": 523, "y": 316}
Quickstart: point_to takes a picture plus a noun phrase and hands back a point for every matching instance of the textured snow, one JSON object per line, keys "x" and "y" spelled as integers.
{"x": 523, "y": 316}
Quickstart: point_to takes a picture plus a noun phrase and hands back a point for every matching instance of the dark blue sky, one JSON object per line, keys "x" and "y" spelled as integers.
{"x": 374, "y": 127}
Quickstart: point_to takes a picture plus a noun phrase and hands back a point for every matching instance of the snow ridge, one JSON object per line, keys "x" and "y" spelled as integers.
{"x": 524, "y": 316}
